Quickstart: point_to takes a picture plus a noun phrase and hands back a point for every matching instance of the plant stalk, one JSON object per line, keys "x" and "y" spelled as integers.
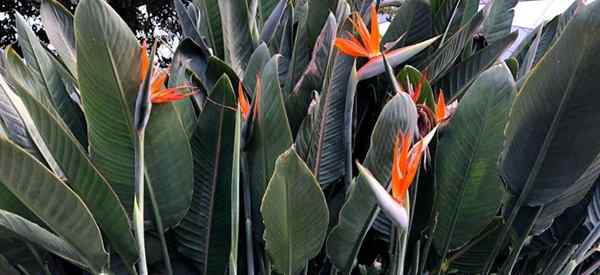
{"x": 514, "y": 255}
{"x": 138, "y": 202}
{"x": 159, "y": 227}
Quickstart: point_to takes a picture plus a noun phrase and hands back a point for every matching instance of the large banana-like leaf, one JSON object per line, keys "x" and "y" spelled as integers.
{"x": 297, "y": 101}
{"x": 359, "y": 211}
{"x": 469, "y": 191}
{"x": 257, "y": 62}
{"x": 463, "y": 74}
{"x": 46, "y": 73}
{"x": 35, "y": 234}
{"x": 84, "y": 178}
{"x": 53, "y": 202}
{"x": 205, "y": 234}
{"x": 498, "y": 21}
{"x": 552, "y": 115}
{"x": 295, "y": 214}
{"x": 471, "y": 258}
{"x": 413, "y": 20}
{"x": 210, "y": 18}
{"x": 316, "y": 17}
{"x": 270, "y": 137}
{"x": 237, "y": 34}
{"x": 444, "y": 57}
{"x": 109, "y": 78}
{"x": 327, "y": 150}
{"x": 58, "y": 22}
{"x": 272, "y": 21}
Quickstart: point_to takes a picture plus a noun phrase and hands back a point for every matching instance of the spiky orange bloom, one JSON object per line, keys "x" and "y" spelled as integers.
{"x": 243, "y": 102}
{"x": 405, "y": 165}
{"x": 440, "y": 108}
{"x": 158, "y": 94}
{"x": 417, "y": 91}
{"x": 369, "y": 47}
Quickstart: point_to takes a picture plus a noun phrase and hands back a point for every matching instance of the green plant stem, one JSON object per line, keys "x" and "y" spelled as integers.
{"x": 138, "y": 203}
{"x": 427, "y": 246}
{"x": 555, "y": 251}
{"x": 514, "y": 255}
{"x": 587, "y": 244}
{"x": 247, "y": 216}
{"x": 160, "y": 229}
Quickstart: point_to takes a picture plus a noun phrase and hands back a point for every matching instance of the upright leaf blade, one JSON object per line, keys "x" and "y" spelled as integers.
{"x": 295, "y": 214}
{"x": 237, "y": 36}
{"x": 211, "y": 24}
{"x": 469, "y": 192}
{"x": 205, "y": 234}
{"x": 359, "y": 211}
{"x": 550, "y": 118}
{"x": 499, "y": 20}
{"x": 58, "y": 22}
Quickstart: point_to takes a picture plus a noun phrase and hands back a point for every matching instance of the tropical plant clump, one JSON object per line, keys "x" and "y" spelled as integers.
{"x": 294, "y": 137}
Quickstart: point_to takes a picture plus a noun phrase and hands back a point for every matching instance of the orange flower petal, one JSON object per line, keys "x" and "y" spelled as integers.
{"x": 375, "y": 36}
{"x": 167, "y": 95}
{"x": 243, "y": 102}
{"x": 440, "y": 108}
{"x": 417, "y": 92}
{"x": 400, "y": 166}
{"x": 144, "y": 61}
{"x": 361, "y": 28}
{"x": 350, "y": 47}
{"x": 158, "y": 81}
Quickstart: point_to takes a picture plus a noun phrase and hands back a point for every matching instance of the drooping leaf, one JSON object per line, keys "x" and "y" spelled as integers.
{"x": 298, "y": 100}
{"x": 469, "y": 191}
{"x": 53, "y": 202}
{"x": 498, "y": 21}
{"x": 360, "y": 209}
{"x": 48, "y": 79}
{"x": 463, "y": 74}
{"x": 444, "y": 57}
{"x": 295, "y": 214}
{"x": 205, "y": 234}
{"x": 413, "y": 20}
{"x": 551, "y": 115}
{"x": 270, "y": 137}
{"x": 35, "y": 234}
{"x": 237, "y": 37}
{"x": 58, "y": 22}
{"x": 84, "y": 178}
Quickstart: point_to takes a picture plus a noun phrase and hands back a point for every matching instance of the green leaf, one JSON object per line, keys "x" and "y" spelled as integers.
{"x": 109, "y": 78}
{"x": 270, "y": 136}
{"x": 35, "y": 234}
{"x": 84, "y": 178}
{"x": 58, "y": 22}
{"x": 53, "y": 202}
{"x": 413, "y": 20}
{"x": 327, "y": 151}
{"x": 316, "y": 17}
{"x": 460, "y": 76}
{"x": 469, "y": 192}
{"x": 205, "y": 234}
{"x": 298, "y": 100}
{"x": 359, "y": 211}
{"x": 295, "y": 215}
{"x": 471, "y": 258}
{"x": 412, "y": 75}
{"x": 551, "y": 116}
{"x": 257, "y": 62}
{"x": 444, "y": 57}
{"x": 593, "y": 218}
{"x": 237, "y": 36}
{"x": 44, "y": 72}
{"x": 498, "y": 22}
{"x": 211, "y": 24}
{"x": 188, "y": 20}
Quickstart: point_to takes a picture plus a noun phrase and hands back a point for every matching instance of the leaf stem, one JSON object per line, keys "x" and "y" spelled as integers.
{"x": 138, "y": 202}
{"x": 514, "y": 255}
